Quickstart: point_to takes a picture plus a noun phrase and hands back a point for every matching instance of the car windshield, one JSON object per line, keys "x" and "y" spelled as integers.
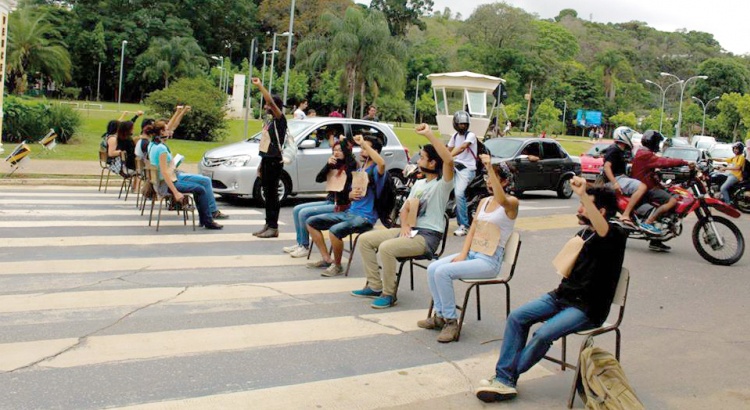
{"x": 685, "y": 154}
{"x": 502, "y": 148}
{"x": 597, "y": 150}
{"x": 295, "y": 127}
{"x": 724, "y": 151}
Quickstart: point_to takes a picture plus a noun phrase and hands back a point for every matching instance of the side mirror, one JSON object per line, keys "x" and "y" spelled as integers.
{"x": 307, "y": 144}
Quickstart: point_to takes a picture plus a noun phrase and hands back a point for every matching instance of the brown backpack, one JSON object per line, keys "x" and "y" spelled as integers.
{"x": 604, "y": 382}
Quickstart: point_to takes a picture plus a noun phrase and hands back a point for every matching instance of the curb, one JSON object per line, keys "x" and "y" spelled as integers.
{"x": 57, "y": 181}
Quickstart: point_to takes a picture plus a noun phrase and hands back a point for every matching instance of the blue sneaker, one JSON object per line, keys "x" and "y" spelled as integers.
{"x": 366, "y": 293}
{"x": 385, "y": 301}
{"x": 650, "y": 228}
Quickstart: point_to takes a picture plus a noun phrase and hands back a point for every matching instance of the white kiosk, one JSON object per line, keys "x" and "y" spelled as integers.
{"x": 467, "y": 91}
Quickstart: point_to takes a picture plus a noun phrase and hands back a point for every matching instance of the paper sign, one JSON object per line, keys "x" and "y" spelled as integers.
{"x": 359, "y": 183}
{"x": 265, "y": 141}
{"x": 177, "y": 160}
{"x": 486, "y": 238}
{"x": 335, "y": 181}
{"x": 565, "y": 260}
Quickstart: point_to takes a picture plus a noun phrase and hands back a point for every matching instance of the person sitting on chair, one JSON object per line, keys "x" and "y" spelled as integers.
{"x": 481, "y": 255}
{"x": 582, "y": 301}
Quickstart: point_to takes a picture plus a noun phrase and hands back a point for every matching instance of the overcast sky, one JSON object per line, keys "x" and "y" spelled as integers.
{"x": 727, "y": 20}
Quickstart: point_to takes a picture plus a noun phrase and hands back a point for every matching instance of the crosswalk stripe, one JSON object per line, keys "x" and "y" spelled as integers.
{"x": 31, "y": 302}
{"x": 186, "y": 237}
{"x": 63, "y": 194}
{"x": 80, "y": 266}
{"x": 172, "y": 343}
{"x": 105, "y": 212}
{"x": 170, "y": 220}
{"x": 398, "y": 387}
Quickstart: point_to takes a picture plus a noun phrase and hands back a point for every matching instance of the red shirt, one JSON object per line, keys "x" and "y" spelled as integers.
{"x": 646, "y": 161}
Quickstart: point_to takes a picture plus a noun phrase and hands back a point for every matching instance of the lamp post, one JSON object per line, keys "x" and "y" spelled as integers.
{"x": 263, "y": 75}
{"x": 565, "y": 109}
{"x": 221, "y": 69}
{"x": 226, "y": 72}
{"x": 98, "y": 81}
{"x": 122, "y": 61}
{"x": 663, "y": 96}
{"x": 683, "y": 84}
{"x": 274, "y": 51}
{"x": 289, "y": 50}
{"x": 703, "y": 126}
{"x": 416, "y": 98}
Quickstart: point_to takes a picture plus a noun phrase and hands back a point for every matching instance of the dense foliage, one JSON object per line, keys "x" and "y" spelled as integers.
{"x": 31, "y": 120}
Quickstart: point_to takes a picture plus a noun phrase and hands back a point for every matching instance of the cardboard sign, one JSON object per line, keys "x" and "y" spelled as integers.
{"x": 565, "y": 260}
{"x": 335, "y": 181}
{"x": 265, "y": 141}
{"x": 359, "y": 183}
{"x": 486, "y": 238}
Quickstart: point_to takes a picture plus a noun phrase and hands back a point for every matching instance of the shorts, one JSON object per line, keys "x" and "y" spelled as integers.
{"x": 658, "y": 195}
{"x": 340, "y": 224}
{"x": 628, "y": 185}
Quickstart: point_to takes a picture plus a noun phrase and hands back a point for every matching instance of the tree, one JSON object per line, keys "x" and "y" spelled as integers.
{"x": 566, "y": 13}
{"x": 394, "y": 107}
{"x": 359, "y": 43}
{"x": 622, "y": 119}
{"x": 556, "y": 40}
{"x": 610, "y": 62}
{"x": 730, "y": 122}
{"x": 497, "y": 25}
{"x": 725, "y": 75}
{"x": 547, "y": 118}
{"x": 34, "y": 45}
{"x": 401, "y": 14}
{"x": 165, "y": 60}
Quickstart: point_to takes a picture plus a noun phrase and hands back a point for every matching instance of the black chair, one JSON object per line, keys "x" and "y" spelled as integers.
{"x": 422, "y": 261}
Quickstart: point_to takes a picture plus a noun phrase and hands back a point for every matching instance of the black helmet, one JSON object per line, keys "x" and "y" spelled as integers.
{"x": 651, "y": 140}
{"x": 739, "y": 145}
{"x": 461, "y": 117}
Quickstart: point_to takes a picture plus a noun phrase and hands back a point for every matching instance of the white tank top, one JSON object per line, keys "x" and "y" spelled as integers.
{"x": 499, "y": 218}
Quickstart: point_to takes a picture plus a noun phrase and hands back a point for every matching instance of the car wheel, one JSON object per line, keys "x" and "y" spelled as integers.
{"x": 285, "y": 189}
{"x": 565, "y": 190}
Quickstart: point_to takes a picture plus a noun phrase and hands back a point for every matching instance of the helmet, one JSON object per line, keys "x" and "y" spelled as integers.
{"x": 461, "y": 117}
{"x": 624, "y": 135}
{"x": 739, "y": 145}
{"x": 651, "y": 140}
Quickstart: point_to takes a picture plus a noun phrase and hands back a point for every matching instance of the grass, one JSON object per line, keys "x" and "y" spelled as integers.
{"x": 85, "y": 144}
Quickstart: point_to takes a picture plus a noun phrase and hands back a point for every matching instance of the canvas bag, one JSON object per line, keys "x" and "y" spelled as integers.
{"x": 604, "y": 382}
{"x": 566, "y": 258}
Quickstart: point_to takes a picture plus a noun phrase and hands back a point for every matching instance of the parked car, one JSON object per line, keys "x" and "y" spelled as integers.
{"x": 695, "y": 155}
{"x": 702, "y": 141}
{"x": 721, "y": 153}
{"x": 593, "y": 159}
{"x": 542, "y": 163}
{"x": 233, "y": 168}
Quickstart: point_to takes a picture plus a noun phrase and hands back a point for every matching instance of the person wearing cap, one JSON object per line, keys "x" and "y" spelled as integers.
{"x": 271, "y": 163}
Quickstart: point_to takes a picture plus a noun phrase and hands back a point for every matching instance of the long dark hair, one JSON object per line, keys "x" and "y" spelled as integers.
{"x": 125, "y": 130}
{"x": 111, "y": 128}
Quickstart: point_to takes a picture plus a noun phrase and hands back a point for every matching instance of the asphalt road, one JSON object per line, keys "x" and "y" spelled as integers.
{"x": 97, "y": 310}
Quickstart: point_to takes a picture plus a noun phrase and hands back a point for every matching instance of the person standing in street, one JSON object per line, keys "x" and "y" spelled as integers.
{"x": 271, "y": 164}
{"x": 299, "y": 113}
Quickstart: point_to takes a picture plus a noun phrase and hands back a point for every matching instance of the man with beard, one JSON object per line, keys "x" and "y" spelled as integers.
{"x": 582, "y": 301}
{"x": 431, "y": 194}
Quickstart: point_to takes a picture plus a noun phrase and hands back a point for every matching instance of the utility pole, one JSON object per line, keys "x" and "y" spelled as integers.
{"x": 528, "y": 107}
{"x": 248, "y": 101}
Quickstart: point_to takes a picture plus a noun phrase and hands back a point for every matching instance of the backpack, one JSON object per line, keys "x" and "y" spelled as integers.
{"x": 481, "y": 149}
{"x": 385, "y": 201}
{"x": 604, "y": 382}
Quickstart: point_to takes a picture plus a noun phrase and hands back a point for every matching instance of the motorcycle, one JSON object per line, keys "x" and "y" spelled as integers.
{"x": 716, "y": 238}
{"x": 739, "y": 193}
{"x": 475, "y": 191}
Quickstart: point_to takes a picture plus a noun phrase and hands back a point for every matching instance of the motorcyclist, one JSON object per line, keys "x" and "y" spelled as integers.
{"x": 644, "y": 164}
{"x": 615, "y": 160}
{"x": 732, "y": 172}
{"x": 463, "y": 146}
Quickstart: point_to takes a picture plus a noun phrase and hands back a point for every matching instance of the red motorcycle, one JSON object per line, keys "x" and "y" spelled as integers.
{"x": 716, "y": 238}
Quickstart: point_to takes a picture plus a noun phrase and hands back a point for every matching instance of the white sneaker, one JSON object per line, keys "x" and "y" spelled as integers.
{"x": 461, "y": 231}
{"x": 290, "y": 249}
{"x": 300, "y": 252}
{"x": 333, "y": 270}
{"x": 492, "y": 390}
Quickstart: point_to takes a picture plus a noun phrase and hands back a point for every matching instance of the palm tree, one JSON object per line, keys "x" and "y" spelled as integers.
{"x": 34, "y": 46}
{"x": 362, "y": 45}
{"x": 165, "y": 60}
{"x": 611, "y": 62}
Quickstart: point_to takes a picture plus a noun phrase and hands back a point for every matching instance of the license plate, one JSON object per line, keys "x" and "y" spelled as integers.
{"x": 669, "y": 176}
{"x": 590, "y": 177}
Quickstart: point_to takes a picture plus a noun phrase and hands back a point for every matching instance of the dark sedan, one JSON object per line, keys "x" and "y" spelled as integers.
{"x": 695, "y": 155}
{"x": 542, "y": 163}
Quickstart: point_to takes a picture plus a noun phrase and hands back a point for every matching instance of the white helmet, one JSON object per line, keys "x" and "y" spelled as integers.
{"x": 624, "y": 135}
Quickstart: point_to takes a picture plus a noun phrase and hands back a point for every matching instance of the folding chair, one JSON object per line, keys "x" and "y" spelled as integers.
{"x": 127, "y": 179}
{"x": 621, "y": 295}
{"x": 105, "y": 167}
{"x": 419, "y": 260}
{"x": 140, "y": 177}
{"x": 154, "y": 176}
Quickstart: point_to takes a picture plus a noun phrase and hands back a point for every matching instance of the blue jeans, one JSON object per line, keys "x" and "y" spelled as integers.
{"x": 201, "y": 198}
{"x": 205, "y": 182}
{"x": 726, "y": 186}
{"x": 302, "y": 213}
{"x": 442, "y": 273}
{"x": 340, "y": 224}
{"x": 462, "y": 178}
{"x": 516, "y": 357}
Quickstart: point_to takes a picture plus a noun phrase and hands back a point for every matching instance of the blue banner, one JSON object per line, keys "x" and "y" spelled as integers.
{"x": 587, "y": 118}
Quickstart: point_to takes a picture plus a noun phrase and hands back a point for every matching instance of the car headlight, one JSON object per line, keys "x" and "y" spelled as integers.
{"x": 238, "y": 161}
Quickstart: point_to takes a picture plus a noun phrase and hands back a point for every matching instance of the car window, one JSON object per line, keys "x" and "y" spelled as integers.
{"x": 531, "y": 148}
{"x": 719, "y": 151}
{"x": 321, "y": 134}
{"x": 501, "y": 147}
{"x": 684, "y": 154}
{"x": 369, "y": 130}
{"x": 551, "y": 151}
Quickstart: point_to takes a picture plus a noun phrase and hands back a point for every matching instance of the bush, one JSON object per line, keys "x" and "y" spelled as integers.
{"x": 31, "y": 120}
{"x": 206, "y": 120}
{"x": 70, "y": 93}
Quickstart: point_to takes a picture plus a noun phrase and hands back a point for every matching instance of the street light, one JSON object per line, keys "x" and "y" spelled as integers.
{"x": 122, "y": 61}
{"x": 663, "y": 97}
{"x": 289, "y": 49}
{"x": 263, "y": 75}
{"x": 221, "y": 69}
{"x": 565, "y": 109}
{"x": 683, "y": 83}
{"x": 416, "y": 98}
{"x": 703, "y": 126}
{"x": 274, "y": 51}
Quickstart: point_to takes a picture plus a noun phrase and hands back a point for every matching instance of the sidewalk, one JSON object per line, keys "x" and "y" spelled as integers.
{"x": 60, "y": 172}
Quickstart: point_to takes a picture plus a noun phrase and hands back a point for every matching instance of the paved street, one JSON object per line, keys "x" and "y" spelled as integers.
{"x": 97, "y": 310}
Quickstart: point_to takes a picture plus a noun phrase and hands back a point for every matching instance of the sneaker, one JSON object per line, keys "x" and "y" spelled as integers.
{"x": 366, "y": 293}
{"x": 493, "y": 390}
{"x": 449, "y": 332}
{"x": 333, "y": 270}
{"x": 300, "y": 252}
{"x": 318, "y": 264}
{"x": 650, "y": 228}
{"x": 220, "y": 215}
{"x": 383, "y": 302}
{"x": 290, "y": 249}
{"x": 461, "y": 231}
{"x": 434, "y": 322}
{"x": 658, "y": 246}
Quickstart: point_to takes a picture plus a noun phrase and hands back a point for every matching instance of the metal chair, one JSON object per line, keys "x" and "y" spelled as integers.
{"x": 105, "y": 167}
{"x": 621, "y": 295}
{"x": 154, "y": 176}
{"x": 420, "y": 260}
{"x": 127, "y": 179}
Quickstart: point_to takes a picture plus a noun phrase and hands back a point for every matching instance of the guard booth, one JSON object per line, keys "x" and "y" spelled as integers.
{"x": 466, "y": 91}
